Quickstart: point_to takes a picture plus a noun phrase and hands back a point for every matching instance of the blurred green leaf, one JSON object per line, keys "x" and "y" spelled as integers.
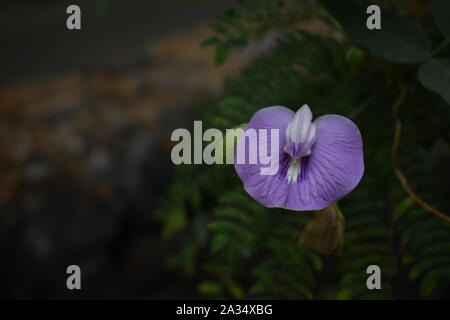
{"x": 219, "y": 28}
{"x": 435, "y": 75}
{"x": 402, "y": 207}
{"x": 399, "y": 40}
{"x": 209, "y": 288}
{"x": 175, "y": 221}
{"x": 209, "y": 41}
{"x": 355, "y": 58}
{"x": 235, "y": 289}
{"x": 429, "y": 282}
{"x": 218, "y": 242}
{"x": 220, "y": 54}
{"x": 441, "y": 15}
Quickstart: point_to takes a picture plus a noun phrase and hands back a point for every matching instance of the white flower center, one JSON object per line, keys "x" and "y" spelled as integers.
{"x": 294, "y": 170}
{"x": 300, "y": 137}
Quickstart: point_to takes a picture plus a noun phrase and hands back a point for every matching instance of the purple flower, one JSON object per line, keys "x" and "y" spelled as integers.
{"x": 317, "y": 164}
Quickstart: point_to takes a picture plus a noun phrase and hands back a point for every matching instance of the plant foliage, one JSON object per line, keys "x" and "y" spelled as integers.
{"x": 235, "y": 247}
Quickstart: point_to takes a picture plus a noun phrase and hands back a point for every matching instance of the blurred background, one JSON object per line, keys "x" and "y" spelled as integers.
{"x": 85, "y": 123}
{"x": 85, "y": 170}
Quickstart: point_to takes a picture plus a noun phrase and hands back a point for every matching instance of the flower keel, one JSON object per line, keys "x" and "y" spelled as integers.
{"x": 301, "y": 134}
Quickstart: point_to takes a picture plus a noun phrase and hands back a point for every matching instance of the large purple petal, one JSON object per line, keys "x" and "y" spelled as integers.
{"x": 266, "y": 189}
{"x": 334, "y": 168}
{"x": 276, "y": 117}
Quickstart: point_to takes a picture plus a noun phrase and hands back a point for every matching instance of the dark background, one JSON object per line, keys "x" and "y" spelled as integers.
{"x": 85, "y": 118}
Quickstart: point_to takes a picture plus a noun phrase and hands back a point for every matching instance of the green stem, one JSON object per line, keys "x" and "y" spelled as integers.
{"x": 398, "y": 125}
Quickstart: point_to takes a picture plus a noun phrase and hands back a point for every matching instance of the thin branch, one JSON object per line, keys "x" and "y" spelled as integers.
{"x": 416, "y": 198}
{"x": 401, "y": 177}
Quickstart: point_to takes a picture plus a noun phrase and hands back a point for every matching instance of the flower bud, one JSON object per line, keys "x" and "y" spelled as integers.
{"x": 325, "y": 233}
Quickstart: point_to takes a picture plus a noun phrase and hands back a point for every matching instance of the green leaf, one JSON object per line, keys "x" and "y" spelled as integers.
{"x": 420, "y": 267}
{"x": 209, "y": 41}
{"x": 219, "y": 28}
{"x": 209, "y": 288}
{"x": 175, "y": 221}
{"x": 221, "y": 54}
{"x": 400, "y": 39}
{"x": 429, "y": 282}
{"x": 218, "y": 242}
{"x": 345, "y": 294}
{"x": 402, "y": 207}
{"x": 355, "y": 58}
{"x": 435, "y": 75}
{"x": 235, "y": 289}
{"x": 441, "y": 15}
